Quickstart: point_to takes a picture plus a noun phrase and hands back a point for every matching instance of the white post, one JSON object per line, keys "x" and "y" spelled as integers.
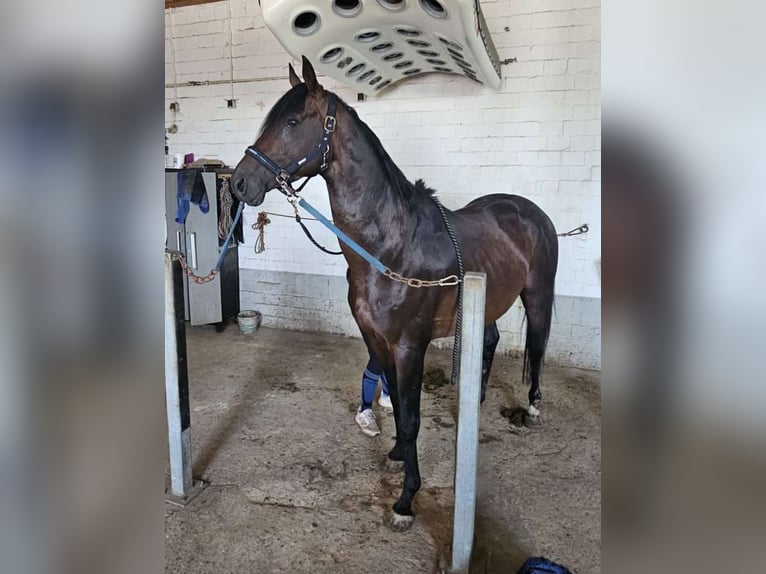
{"x": 177, "y": 382}
{"x": 469, "y": 394}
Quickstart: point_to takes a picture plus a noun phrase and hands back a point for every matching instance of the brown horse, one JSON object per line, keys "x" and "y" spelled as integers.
{"x": 507, "y": 237}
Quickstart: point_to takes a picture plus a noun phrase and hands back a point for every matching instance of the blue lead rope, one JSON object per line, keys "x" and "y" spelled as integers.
{"x": 225, "y": 247}
{"x": 361, "y": 251}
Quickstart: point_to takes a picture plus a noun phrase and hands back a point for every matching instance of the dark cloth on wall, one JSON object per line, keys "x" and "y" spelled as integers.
{"x": 190, "y": 189}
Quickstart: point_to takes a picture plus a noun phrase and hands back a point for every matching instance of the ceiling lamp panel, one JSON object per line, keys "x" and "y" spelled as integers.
{"x": 372, "y": 44}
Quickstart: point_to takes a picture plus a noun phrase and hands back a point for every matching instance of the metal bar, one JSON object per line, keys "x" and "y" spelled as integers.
{"x": 177, "y": 381}
{"x": 467, "y": 444}
{"x": 192, "y": 251}
{"x": 198, "y": 83}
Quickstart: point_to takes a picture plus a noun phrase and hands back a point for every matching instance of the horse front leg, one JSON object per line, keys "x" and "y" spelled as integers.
{"x": 376, "y": 348}
{"x": 409, "y": 376}
{"x": 396, "y": 454}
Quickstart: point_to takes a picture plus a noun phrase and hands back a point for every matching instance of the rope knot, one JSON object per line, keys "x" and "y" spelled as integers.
{"x": 259, "y": 225}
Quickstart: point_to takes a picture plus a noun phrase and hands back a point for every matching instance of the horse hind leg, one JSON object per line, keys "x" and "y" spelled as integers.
{"x": 491, "y": 337}
{"x": 537, "y": 297}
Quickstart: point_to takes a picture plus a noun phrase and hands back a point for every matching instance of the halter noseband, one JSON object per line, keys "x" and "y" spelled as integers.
{"x": 283, "y": 174}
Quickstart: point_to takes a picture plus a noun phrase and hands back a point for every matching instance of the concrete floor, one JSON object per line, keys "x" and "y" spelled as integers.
{"x": 295, "y": 487}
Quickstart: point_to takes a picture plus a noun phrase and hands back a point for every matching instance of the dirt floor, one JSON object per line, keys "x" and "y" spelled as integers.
{"x": 295, "y": 487}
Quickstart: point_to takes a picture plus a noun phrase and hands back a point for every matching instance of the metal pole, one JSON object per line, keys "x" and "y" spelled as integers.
{"x": 177, "y": 382}
{"x": 469, "y": 393}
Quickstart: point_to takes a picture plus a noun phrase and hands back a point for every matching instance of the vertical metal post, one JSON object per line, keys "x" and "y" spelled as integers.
{"x": 469, "y": 394}
{"x": 177, "y": 382}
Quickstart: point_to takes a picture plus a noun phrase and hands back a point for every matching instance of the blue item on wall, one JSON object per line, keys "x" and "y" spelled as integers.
{"x": 191, "y": 189}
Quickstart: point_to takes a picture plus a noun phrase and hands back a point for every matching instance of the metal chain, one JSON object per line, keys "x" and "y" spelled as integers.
{"x": 449, "y": 280}
{"x": 199, "y": 279}
{"x": 323, "y": 167}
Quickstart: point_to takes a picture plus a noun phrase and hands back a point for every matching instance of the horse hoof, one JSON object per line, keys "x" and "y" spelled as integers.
{"x": 396, "y": 454}
{"x": 399, "y": 522}
{"x": 531, "y": 420}
{"x": 393, "y": 466}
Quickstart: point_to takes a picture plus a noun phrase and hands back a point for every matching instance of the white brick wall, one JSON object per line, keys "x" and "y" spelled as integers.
{"x": 539, "y": 136}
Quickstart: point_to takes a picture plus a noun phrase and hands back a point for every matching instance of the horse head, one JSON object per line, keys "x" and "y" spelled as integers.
{"x": 291, "y": 131}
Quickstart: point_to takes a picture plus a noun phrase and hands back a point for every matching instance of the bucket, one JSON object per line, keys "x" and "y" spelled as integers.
{"x": 249, "y": 321}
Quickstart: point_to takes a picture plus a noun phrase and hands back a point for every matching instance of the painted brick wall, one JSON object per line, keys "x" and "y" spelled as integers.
{"x": 539, "y": 136}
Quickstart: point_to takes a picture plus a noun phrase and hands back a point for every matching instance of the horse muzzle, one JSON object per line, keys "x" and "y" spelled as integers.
{"x": 246, "y": 191}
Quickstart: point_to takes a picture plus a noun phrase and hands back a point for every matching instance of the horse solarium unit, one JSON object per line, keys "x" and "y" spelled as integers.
{"x": 372, "y": 44}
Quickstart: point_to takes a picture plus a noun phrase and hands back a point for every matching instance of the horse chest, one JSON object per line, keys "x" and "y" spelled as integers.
{"x": 387, "y": 311}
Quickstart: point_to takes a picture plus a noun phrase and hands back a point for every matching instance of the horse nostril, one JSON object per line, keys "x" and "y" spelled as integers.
{"x": 240, "y": 185}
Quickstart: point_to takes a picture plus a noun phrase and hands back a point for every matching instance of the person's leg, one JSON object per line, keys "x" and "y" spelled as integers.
{"x": 370, "y": 383}
{"x": 376, "y": 368}
{"x": 365, "y": 418}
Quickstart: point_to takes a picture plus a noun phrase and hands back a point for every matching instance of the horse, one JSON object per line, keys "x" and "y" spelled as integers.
{"x": 505, "y": 236}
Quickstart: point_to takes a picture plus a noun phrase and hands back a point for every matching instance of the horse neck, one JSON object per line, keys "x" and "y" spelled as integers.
{"x": 363, "y": 197}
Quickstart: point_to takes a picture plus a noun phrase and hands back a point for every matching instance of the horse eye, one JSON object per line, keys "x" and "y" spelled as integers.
{"x": 293, "y": 123}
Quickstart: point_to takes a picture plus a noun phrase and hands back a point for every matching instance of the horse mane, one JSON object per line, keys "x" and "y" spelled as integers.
{"x": 400, "y": 185}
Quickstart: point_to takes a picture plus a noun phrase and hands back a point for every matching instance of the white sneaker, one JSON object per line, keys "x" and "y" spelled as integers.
{"x": 385, "y": 403}
{"x": 366, "y": 421}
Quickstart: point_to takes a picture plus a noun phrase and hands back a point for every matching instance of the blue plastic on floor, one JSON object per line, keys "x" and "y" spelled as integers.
{"x": 542, "y": 566}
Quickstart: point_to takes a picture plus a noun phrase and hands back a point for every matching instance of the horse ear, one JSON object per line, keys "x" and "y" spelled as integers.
{"x": 294, "y": 79}
{"x": 309, "y": 76}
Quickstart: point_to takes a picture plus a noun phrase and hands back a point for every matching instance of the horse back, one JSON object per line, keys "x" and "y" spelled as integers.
{"x": 507, "y": 237}
{"x": 506, "y": 222}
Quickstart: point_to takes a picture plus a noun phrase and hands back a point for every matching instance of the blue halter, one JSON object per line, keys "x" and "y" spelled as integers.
{"x": 283, "y": 174}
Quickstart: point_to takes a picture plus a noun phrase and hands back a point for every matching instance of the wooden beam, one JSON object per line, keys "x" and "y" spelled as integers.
{"x": 179, "y": 3}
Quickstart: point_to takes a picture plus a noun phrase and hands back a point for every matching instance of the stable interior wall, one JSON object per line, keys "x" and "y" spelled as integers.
{"x": 538, "y": 136}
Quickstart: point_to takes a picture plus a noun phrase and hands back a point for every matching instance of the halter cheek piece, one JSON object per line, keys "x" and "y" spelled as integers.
{"x": 283, "y": 174}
